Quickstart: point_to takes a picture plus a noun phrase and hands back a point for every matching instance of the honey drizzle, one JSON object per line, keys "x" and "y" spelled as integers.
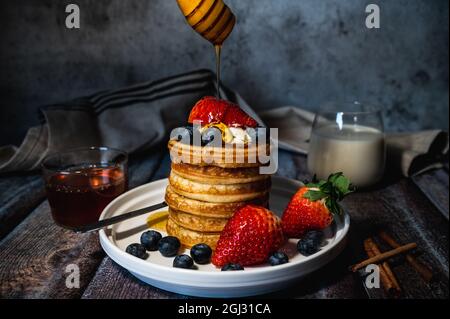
{"x": 218, "y": 49}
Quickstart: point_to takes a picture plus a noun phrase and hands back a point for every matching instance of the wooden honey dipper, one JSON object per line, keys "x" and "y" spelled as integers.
{"x": 212, "y": 19}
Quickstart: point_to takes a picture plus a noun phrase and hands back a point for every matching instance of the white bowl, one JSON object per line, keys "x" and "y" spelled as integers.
{"x": 206, "y": 280}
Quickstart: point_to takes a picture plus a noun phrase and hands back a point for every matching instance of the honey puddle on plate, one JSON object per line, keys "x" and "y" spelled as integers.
{"x": 158, "y": 220}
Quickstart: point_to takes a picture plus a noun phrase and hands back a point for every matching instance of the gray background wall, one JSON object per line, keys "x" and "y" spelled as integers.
{"x": 298, "y": 52}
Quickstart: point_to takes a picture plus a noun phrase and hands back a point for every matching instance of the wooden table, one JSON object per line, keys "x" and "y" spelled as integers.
{"x": 34, "y": 252}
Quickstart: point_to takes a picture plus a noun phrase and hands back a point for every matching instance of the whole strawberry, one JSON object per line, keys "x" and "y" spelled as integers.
{"x": 314, "y": 205}
{"x": 249, "y": 237}
{"x": 211, "y": 110}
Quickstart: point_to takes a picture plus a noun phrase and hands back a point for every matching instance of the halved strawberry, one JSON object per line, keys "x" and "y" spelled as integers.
{"x": 236, "y": 117}
{"x": 313, "y": 206}
{"x": 211, "y": 110}
{"x": 249, "y": 237}
{"x": 208, "y": 110}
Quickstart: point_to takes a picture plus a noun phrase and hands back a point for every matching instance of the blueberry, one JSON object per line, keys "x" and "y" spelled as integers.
{"x": 201, "y": 253}
{"x": 183, "y": 134}
{"x": 212, "y": 134}
{"x": 183, "y": 261}
{"x": 137, "y": 250}
{"x": 150, "y": 240}
{"x": 278, "y": 258}
{"x": 232, "y": 267}
{"x": 169, "y": 246}
{"x": 316, "y": 236}
{"x": 307, "y": 246}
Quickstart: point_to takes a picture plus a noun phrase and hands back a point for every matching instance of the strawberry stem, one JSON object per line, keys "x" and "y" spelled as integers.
{"x": 333, "y": 190}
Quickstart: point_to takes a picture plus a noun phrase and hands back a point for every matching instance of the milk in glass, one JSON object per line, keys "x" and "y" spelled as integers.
{"x": 357, "y": 151}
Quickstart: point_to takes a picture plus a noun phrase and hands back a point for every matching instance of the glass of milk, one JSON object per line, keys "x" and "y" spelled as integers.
{"x": 348, "y": 138}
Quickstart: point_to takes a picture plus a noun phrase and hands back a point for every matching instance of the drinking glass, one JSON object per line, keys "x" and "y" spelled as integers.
{"x": 348, "y": 138}
{"x": 80, "y": 183}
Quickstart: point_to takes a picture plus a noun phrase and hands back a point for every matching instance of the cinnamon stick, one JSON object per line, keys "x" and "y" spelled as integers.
{"x": 387, "y": 277}
{"x": 423, "y": 270}
{"x": 384, "y": 256}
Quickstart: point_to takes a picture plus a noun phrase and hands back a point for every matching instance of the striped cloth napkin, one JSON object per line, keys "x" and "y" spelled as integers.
{"x": 132, "y": 119}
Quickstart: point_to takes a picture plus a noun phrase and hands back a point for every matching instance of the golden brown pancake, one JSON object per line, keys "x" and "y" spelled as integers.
{"x": 232, "y": 157}
{"x": 198, "y": 223}
{"x": 189, "y": 237}
{"x": 218, "y": 175}
{"x": 208, "y": 209}
{"x": 218, "y": 193}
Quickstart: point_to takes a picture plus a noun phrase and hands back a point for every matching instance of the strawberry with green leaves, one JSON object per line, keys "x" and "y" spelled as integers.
{"x": 313, "y": 206}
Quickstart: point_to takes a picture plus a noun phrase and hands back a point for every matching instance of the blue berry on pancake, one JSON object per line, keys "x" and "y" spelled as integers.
{"x": 183, "y": 134}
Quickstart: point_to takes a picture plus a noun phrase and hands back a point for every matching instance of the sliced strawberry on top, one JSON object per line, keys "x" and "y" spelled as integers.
{"x": 208, "y": 110}
{"x": 211, "y": 110}
{"x": 249, "y": 237}
{"x": 236, "y": 117}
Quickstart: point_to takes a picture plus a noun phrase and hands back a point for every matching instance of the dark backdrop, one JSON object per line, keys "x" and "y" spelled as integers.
{"x": 298, "y": 52}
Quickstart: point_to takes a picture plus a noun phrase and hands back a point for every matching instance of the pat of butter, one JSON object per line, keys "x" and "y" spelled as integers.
{"x": 240, "y": 136}
{"x": 234, "y": 135}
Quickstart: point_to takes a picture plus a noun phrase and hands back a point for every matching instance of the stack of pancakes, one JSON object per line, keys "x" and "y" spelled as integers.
{"x": 203, "y": 196}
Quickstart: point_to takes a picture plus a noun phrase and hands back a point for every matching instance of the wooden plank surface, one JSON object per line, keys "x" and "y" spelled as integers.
{"x": 434, "y": 185}
{"x": 34, "y": 256}
{"x": 19, "y": 195}
{"x": 114, "y": 282}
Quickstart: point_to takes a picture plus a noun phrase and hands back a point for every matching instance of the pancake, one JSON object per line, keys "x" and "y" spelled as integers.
{"x": 198, "y": 223}
{"x": 207, "y": 185}
{"x": 189, "y": 237}
{"x": 218, "y": 175}
{"x": 232, "y": 156}
{"x": 218, "y": 193}
{"x": 208, "y": 209}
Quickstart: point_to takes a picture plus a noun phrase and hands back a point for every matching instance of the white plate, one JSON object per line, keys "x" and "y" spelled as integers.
{"x": 207, "y": 281}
